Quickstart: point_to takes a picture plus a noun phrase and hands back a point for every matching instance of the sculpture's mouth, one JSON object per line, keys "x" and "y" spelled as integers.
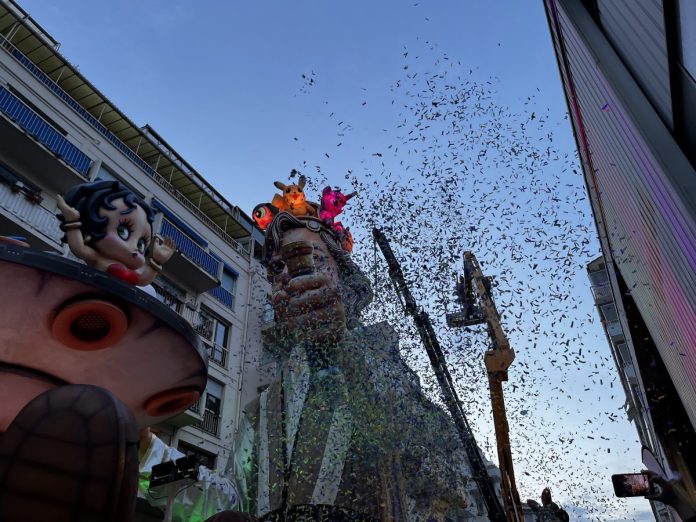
{"x": 31, "y": 373}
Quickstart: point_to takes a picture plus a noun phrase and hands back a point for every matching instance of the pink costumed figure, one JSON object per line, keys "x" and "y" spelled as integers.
{"x": 332, "y": 203}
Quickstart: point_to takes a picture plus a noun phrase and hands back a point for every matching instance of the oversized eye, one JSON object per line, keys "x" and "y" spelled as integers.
{"x": 142, "y": 245}
{"x": 287, "y": 190}
{"x": 276, "y": 266}
{"x": 299, "y": 189}
{"x": 123, "y": 231}
{"x": 260, "y": 213}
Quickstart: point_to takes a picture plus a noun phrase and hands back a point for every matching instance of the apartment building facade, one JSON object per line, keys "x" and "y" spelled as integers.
{"x": 58, "y": 130}
{"x": 628, "y": 71}
{"x": 620, "y": 344}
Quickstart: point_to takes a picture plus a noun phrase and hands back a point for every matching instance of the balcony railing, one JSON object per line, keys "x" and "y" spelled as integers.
{"x": 614, "y": 330}
{"x": 210, "y": 423}
{"x": 191, "y": 249}
{"x": 202, "y": 325}
{"x": 116, "y": 142}
{"x": 33, "y": 215}
{"x": 42, "y": 132}
{"x": 172, "y": 300}
{"x": 205, "y": 326}
{"x": 241, "y": 249}
{"x": 602, "y": 293}
{"x": 217, "y": 354}
{"x": 224, "y": 296}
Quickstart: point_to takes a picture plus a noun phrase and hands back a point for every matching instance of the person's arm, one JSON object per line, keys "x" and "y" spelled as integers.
{"x": 673, "y": 494}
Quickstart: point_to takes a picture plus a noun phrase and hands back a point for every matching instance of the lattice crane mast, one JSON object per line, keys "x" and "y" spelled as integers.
{"x": 496, "y": 513}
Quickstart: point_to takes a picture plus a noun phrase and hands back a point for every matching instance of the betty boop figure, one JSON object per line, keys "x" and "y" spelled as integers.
{"x": 110, "y": 228}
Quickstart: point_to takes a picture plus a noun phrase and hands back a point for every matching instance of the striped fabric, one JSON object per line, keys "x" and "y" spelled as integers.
{"x": 36, "y": 127}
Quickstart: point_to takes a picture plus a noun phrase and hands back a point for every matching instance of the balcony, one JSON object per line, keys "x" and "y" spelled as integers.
{"x": 173, "y": 301}
{"x": 223, "y": 296}
{"x": 49, "y": 139}
{"x": 216, "y": 353}
{"x": 210, "y": 423}
{"x": 205, "y": 326}
{"x": 176, "y": 303}
{"x": 630, "y": 373}
{"x": 191, "y": 265}
{"x": 188, "y": 417}
{"x": 602, "y": 294}
{"x": 615, "y": 331}
{"x": 21, "y": 216}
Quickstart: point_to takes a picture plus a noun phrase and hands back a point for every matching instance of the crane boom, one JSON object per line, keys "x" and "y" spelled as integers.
{"x": 498, "y": 359}
{"x": 426, "y": 331}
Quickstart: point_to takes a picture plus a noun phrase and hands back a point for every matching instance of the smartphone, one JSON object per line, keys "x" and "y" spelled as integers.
{"x": 632, "y": 485}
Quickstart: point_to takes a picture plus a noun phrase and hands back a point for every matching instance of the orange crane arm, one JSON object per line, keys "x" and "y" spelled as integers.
{"x": 497, "y": 359}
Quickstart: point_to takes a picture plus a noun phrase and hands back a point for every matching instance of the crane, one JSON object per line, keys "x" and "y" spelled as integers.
{"x": 496, "y": 513}
{"x": 474, "y": 294}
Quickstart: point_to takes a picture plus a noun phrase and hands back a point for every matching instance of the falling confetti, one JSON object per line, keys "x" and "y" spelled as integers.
{"x": 462, "y": 172}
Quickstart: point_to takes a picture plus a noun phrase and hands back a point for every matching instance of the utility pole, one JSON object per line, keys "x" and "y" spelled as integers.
{"x": 474, "y": 294}
{"x": 444, "y": 379}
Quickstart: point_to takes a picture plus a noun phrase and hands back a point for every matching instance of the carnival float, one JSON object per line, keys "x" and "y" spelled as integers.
{"x": 89, "y": 360}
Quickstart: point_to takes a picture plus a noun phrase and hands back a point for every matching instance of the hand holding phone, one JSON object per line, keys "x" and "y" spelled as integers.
{"x": 632, "y": 485}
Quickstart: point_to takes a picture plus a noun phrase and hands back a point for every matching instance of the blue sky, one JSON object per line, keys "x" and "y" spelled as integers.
{"x": 223, "y": 83}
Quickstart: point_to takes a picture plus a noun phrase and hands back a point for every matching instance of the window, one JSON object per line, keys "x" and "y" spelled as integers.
{"x": 213, "y": 396}
{"x": 228, "y": 281}
{"x": 219, "y": 350}
{"x": 212, "y": 409}
{"x": 228, "y": 288}
{"x": 216, "y": 333}
{"x": 204, "y": 458}
{"x": 221, "y": 333}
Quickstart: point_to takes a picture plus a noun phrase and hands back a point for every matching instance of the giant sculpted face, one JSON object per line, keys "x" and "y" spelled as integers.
{"x": 306, "y": 279}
